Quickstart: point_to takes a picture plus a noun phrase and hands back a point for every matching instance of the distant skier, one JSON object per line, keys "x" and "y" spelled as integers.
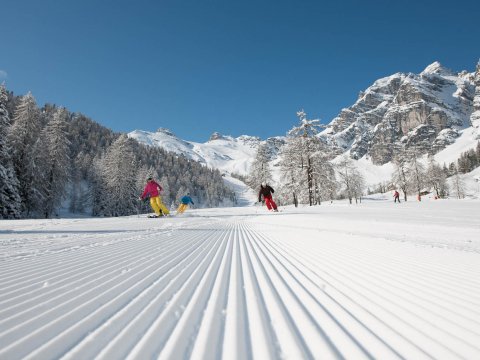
{"x": 266, "y": 191}
{"x": 184, "y": 203}
{"x": 396, "y": 196}
{"x": 153, "y": 189}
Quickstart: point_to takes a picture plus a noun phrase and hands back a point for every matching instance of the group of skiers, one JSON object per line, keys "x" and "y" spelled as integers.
{"x": 153, "y": 190}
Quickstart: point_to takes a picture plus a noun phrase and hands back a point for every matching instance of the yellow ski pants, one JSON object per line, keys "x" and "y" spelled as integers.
{"x": 157, "y": 205}
{"x": 182, "y": 208}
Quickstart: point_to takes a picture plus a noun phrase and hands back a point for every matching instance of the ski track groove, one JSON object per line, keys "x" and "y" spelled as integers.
{"x": 435, "y": 268}
{"x": 183, "y": 334}
{"x": 71, "y": 260}
{"x": 314, "y": 339}
{"x": 71, "y": 251}
{"x": 323, "y": 315}
{"x": 455, "y": 280}
{"x": 237, "y": 343}
{"x": 180, "y": 258}
{"x": 289, "y": 339}
{"x": 262, "y": 335}
{"x": 322, "y": 281}
{"x": 37, "y": 258}
{"x": 338, "y": 266}
{"x": 92, "y": 267}
{"x": 81, "y": 332}
{"x": 405, "y": 288}
{"x": 82, "y": 280}
{"x": 313, "y": 310}
{"x": 233, "y": 288}
{"x": 155, "y": 335}
{"x": 316, "y": 291}
{"x": 428, "y": 302}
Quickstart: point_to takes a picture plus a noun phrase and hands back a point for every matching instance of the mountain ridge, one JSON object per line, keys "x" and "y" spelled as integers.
{"x": 429, "y": 111}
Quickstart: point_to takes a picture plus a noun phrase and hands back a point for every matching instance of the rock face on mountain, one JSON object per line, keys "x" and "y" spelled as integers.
{"x": 424, "y": 110}
{"x": 475, "y": 118}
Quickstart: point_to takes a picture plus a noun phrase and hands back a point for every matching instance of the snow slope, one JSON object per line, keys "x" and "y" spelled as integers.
{"x": 466, "y": 141}
{"x": 225, "y": 153}
{"x": 378, "y": 280}
{"x": 246, "y": 196}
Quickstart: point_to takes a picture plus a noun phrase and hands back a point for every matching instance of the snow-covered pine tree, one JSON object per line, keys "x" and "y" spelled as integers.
{"x": 325, "y": 182}
{"x": 81, "y": 181}
{"x": 309, "y": 147}
{"x": 416, "y": 170}
{"x": 75, "y": 187}
{"x": 347, "y": 173}
{"x": 166, "y": 194}
{"x": 436, "y": 178}
{"x": 57, "y": 161}
{"x": 23, "y": 140}
{"x": 120, "y": 176}
{"x": 10, "y": 203}
{"x": 458, "y": 184}
{"x": 357, "y": 185}
{"x": 260, "y": 168}
{"x": 100, "y": 195}
{"x": 291, "y": 171}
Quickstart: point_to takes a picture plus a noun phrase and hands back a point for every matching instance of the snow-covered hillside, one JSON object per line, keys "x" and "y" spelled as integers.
{"x": 374, "y": 281}
{"x": 225, "y": 153}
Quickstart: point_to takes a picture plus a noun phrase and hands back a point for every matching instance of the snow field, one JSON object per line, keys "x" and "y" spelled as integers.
{"x": 377, "y": 280}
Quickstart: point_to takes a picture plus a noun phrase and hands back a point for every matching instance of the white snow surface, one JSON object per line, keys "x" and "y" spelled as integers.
{"x": 225, "y": 153}
{"x": 375, "y": 280}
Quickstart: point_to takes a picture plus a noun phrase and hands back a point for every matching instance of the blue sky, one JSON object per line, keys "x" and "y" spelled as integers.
{"x": 236, "y": 67}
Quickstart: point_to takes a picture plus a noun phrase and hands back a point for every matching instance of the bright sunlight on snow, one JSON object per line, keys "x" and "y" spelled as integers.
{"x": 373, "y": 280}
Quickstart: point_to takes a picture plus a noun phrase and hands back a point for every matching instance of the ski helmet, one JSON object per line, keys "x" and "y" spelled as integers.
{"x": 264, "y": 184}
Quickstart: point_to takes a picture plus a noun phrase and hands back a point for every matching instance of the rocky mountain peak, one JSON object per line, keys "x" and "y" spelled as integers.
{"x": 216, "y": 136}
{"x": 165, "y": 131}
{"x": 475, "y": 117}
{"x": 436, "y": 68}
{"x": 424, "y": 110}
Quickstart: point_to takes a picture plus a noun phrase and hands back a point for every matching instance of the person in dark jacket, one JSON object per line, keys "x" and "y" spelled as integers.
{"x": 396, "y": 196}
{"x": 266, "y": 191}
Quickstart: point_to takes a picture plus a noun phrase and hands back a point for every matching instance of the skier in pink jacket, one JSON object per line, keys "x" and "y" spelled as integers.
{"x": 153, "y": 190}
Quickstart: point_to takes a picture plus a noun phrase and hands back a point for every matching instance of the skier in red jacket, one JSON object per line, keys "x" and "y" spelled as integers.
{"x": 266, "y": 191}
{"x": 396, "y": 196}
{"x": 153, "y": 189}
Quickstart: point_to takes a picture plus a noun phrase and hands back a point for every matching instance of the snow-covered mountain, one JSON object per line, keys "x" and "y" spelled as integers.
{"x": 427, "y": 110}
{"x": 437, "y": 111}
{"x": 226, "y": 153}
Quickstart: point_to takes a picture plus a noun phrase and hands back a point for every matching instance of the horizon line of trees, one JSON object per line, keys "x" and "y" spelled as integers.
{"x": 52, "y": 159}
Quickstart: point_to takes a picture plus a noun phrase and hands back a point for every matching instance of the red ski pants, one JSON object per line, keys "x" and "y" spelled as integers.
{"x": 270, "y": 203}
